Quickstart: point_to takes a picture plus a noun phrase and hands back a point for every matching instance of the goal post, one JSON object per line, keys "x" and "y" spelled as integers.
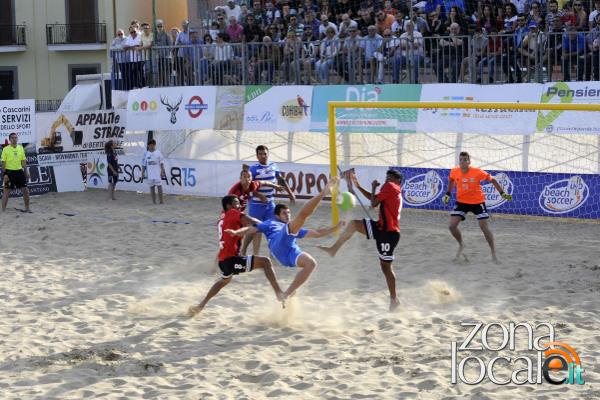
{"x": 334, "y": 106}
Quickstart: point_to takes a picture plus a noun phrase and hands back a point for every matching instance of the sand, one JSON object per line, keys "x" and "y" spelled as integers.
{"x": 91, "y": 306}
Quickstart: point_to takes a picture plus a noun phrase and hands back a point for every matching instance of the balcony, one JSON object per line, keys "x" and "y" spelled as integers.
{"x": 76, "y": 37}
{"x": 12, "y": 38}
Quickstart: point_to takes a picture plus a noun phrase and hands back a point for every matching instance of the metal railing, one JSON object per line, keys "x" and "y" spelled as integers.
{"x": 12, "y": 35}
{"x": 531, "y": 57}
{"x": 76, "y": 33}
{"x": 47, "y": 105}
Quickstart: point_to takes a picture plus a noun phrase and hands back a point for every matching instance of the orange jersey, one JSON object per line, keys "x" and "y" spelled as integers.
{"x": 468, "y": 185}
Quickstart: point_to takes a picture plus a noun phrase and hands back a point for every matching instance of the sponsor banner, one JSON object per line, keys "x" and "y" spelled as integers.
{"x": 385, "y": 120}
{"x": 169, "y": 108}
{"x": 579, "y": 122}
{"x": 278, "y": 108}
{"x": 68, "y": 138}
{"x": 17, "y": 116}
{"x": 479, "y": 121}
{"x": 229, "y": 114}
{"x": 535, "y": 193}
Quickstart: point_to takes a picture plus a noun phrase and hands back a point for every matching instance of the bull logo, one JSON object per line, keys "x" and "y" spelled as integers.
{"x": 172, "y": 108}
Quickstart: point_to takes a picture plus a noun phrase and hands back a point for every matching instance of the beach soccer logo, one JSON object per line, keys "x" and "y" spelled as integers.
{"x": 517, "y": 353}
{"x": 422, "y": 189}
{"x": 295, "y": 110}
{"x": 564, "y": 195}
{"x": 493, "y": 199}
{"x": 95, "y": 172}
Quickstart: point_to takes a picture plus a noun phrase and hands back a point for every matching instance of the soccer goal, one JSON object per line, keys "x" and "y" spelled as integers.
{"x": 373, "y": 136}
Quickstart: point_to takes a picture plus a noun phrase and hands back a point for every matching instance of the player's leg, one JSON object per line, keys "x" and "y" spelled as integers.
{"x": 307, "y": 265}
{"x": 212, "y": 292}
{"x": 489, "y": 237}
{"x": 153, "y": 194}
{"x": 257, "y": 211}
{"x": 390, "y": 279}
{"x": 5, "y": 194}
{"x": 356, "y": 225}
{"x": 25, "y": 192}
{"x": 256, "y": 244}
{"x": 309, "y": 207}
{"x": 453, "y": 227}
{"x": 160, "y": 194}
{"x": 266, "y": 264}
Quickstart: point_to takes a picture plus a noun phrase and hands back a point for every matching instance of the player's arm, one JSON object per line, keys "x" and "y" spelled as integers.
{"x": 500, "y": 190}
{"x": 317, "y": 233}
{"x": 374, "y": 199}
{"x": 260, "y": 196}
{"x": 282, "y": 182}
{"x": 446, "y": 197}
{"x": 246, "y": 230}
{"x": 365, "y": 192}
{"x": 163, "y": 174}
{"x": 279, "y": 188}
{"x": 248, "y": 220}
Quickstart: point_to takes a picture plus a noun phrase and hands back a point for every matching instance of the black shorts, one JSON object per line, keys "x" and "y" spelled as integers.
{"x": 16, "y": 179}
{"x": 461, "y": 210}
{"x": 235, "y": 265}
{"x": 386, "y": 241}
{"x": 113, "y": 179}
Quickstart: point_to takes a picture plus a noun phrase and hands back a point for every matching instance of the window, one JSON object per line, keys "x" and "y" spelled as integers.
{"x": 81, "y": 69}
{"x": 8, "y": 83}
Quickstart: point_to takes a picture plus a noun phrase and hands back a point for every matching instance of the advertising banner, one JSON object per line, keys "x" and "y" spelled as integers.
{"x": 229, "y": 114}
{"x": 17, "y": 116}
{"x": 169, "y": 108}
{"x": 278, "y": 108}
{"x": 579, "y": 122}
{"x": 365, "y": 120}
{"x": 479, "y": 121}
{"x": 70, "y": 137}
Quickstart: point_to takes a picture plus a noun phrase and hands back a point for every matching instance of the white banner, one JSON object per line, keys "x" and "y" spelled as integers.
{"x": 479, "y": 121}
{"x": 278, "y": 108}
{"x": 581, "y": 122}
{"x": 17, "y": 116}
{"x": 185, "y": 107}
{"x": 68, "y": 138}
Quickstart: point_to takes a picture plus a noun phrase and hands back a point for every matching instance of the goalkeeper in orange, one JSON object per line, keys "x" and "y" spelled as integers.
{"x": 469, "y": 198}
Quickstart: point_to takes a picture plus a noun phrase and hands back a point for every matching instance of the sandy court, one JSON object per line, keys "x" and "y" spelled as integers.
{"x": 90, "y": 306}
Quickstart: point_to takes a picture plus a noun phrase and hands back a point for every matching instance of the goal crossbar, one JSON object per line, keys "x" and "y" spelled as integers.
{"x": 333, "y": 105}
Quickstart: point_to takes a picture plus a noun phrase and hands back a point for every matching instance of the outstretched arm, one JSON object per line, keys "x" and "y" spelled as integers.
{"x": 242, "y": 231}
{"x": 283, "y": 183}
{"x": 248, "y": 220}
{"x": 364, "y": 191}
{"x": 374, "y": 200}
{"x": 317, "y": 233}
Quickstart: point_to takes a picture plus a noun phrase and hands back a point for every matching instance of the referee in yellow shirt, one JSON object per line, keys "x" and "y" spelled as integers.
{"x": 15, "y": 174}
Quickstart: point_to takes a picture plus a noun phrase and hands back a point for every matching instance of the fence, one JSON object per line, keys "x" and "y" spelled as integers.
{"x": 531, "y": 57}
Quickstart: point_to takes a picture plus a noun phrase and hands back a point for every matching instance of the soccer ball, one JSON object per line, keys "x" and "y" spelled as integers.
{"x": 347, "y": 201}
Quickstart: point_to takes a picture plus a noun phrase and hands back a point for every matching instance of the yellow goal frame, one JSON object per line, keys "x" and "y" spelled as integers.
{"x": 333, "y": 105}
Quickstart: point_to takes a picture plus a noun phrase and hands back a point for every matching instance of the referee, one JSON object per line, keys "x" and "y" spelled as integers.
{"x": 15, "y": 175}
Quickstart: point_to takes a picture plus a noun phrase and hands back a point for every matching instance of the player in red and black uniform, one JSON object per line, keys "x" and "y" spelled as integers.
{"x": 386, "y": 231}
{"x": 230, "y": 261}
{"x": 246, "y": 188}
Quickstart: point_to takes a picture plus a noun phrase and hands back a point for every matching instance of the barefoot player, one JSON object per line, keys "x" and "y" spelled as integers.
{"x": 230, "y": 261}
{"x": 386, "y": 231}
{"x": 469, "y": 198}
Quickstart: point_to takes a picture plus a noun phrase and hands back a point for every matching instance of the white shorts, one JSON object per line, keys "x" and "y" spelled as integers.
{"x": 154, "y": 182}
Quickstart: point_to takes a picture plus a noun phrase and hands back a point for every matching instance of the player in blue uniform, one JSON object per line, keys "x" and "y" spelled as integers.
{"x": 264, "y": 171}
{"x": 282, "y": 232}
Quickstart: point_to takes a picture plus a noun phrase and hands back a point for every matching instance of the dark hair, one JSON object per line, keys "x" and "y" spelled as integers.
{"x": 262, "y": 147}
{"x": 151, "y": 141}
{"x": 245, "y": 170}
{"x": 108, "y": 147}
{"x": 395, "y": 174}
{"x": 227, "y": 201}
{"x": 12, "y": 134}
{"x": 464, "y": 154}
{"x": 280, "y": 207}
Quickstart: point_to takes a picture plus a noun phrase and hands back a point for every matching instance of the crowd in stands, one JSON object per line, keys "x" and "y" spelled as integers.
{"x": 367, "y": 41}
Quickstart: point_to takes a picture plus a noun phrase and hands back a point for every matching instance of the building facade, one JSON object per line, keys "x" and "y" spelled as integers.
{"x": 44, "y": 44}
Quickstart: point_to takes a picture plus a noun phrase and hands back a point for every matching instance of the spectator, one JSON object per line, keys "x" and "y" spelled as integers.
{"x": 235, "y": 31}
{"x": 397, "y": 27}
{"x": 174, "y": 34}
{"x": 592, "y": 17}
{"x": 592, "y": 59}
{"x": 372, "y": 46}
{"x": 352, "y": 60}
{"x": 291, "y": 59}
{"x": 182, "y": 65}
{"x": 346, "y": 24}
{"x": 384, "y": 21}
{"x": 310, "y": 20}
{"x": 511, "y": 57}
{"x": 532, "y": 51}
{"x": 147, "y": 38}
{"x": 535, "y": 14}
{"x": 268, "y": 57}
{"x": 244, "y": 14}
{"x": 488, "y": 20}
{"x": 309, "y": 34}
{"x": 551, "y": 15}
{"x": 389, "y": 9}
{"x": 366, "y": 19}
{"x": 420, "y": 23}
{"x": 274, "y": 34}
{"x": 271, "y": 14}
{"x": 455, "y": 17}
{"x": 510, "y": 18}
{"x": 134, "y": 65}
{"x": 136, "y": 25}
{"x": 231, "y": 10}
{"x": 252, "y": 30}
{"x": 309, "y": 5}
{"x": 223, "y": 63}
{"x": 295, "y": 27}
{"x": 450, "y": 54}
{"x": 573, "y": 46}
{"x": 325, "y": 9}
{"x": 258, "y": 12}
{"x": 411, "y": 53}
{"x": 479, "y": 44}
{"x": 328, "y": 53}
{"x": 119, "y": 58}
{"x": 163, "y": 59}
{"x": 325, "y": 25}
{"x": 208, "y": 57}
{"x": 436, "y": 6}
{"x": 460, "y": 4}
{"x": 491, "y": 57}
{"x": 349, "y": 7}
{"x": 522, "y": 6}
{"x": 580, "y": 15}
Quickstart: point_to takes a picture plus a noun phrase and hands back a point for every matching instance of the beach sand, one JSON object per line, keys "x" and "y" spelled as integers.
{"x": 92, "y": 306}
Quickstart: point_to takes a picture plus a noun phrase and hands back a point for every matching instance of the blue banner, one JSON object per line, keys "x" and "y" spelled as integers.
{"x": 534, "y": 193}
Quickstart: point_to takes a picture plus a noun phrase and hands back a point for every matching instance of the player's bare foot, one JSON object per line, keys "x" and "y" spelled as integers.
{"x": 281, "y": 298}
{"x": 495, "y": 259}
{"x": 394, "y": 304}
{"x": 460, "y": 253}
{"x": 328, "y": 250}
{"x": 194, "y": 310}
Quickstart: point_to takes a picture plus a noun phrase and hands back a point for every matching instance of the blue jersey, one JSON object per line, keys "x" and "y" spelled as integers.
{"x": 281, "y": 243}
{"x": 265, "y": 173}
